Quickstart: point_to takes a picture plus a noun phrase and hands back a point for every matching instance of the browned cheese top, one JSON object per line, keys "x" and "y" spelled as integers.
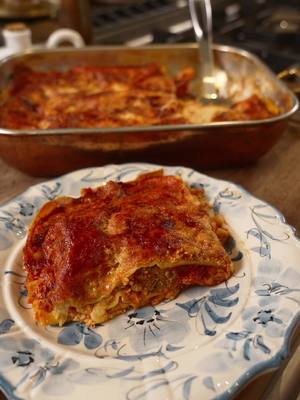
{"x": 114, "y": 97}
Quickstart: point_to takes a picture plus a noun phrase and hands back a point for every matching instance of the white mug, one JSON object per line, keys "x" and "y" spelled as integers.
{"x": 65, "y": 35}
{"x": 17, "y": 37}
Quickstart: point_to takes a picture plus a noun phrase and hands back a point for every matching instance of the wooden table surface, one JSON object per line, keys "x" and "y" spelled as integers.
{"x": 274, "y": 179}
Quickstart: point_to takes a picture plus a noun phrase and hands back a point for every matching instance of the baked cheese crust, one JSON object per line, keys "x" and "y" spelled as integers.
{"x": 113, "y": 97}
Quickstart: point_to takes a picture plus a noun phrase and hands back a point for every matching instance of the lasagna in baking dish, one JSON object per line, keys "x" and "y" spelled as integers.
{"x": 112, "y": 97}
{"x": 122, "y": 246}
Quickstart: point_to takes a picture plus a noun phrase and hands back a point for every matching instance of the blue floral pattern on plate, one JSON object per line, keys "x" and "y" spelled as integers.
{"x": 205, "y": 344}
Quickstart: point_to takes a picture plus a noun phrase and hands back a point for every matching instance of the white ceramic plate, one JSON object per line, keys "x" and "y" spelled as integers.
{"x": 205, "y": 344}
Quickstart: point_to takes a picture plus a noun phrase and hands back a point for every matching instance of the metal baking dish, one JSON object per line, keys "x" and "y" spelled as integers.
{"x": 219, "y": 144}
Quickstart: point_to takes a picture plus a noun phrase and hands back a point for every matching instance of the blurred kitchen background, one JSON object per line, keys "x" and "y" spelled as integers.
{"x": 268, "y": 28}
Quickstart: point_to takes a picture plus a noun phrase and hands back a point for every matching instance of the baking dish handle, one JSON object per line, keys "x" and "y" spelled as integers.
{"x": 65, "y": 35}
{"x": 291, "y": 77}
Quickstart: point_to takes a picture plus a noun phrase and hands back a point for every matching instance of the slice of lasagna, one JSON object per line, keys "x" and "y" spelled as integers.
{"x": 122, "y": 246}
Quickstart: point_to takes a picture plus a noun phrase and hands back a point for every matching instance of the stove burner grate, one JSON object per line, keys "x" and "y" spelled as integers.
{"x": 130, "y": 12}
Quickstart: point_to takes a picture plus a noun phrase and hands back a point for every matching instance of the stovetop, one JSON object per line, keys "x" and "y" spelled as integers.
{"x": 267, "y": 28}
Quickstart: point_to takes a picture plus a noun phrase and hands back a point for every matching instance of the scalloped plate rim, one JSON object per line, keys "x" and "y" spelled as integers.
{"x": 261, "y": 367}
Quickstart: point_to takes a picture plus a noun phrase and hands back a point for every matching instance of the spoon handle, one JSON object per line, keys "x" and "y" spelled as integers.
{"x": 201, "y": 10}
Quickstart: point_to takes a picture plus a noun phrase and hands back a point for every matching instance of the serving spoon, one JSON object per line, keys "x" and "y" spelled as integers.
{"x": 210, "y": 79}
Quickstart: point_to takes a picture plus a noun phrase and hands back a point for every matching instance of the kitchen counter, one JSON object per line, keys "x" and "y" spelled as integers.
{"x": 274, "y": 179}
